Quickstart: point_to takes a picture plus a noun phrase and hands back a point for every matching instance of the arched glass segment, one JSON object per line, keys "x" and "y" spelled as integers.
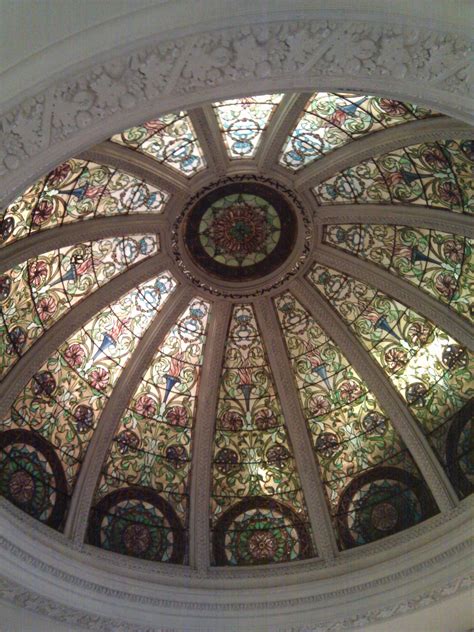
{"x": 430, "y": 370}
{"x": 170, "y": 140}
{"x": 78, "y": 190}
{"x": 330, "y": 121}
{"x": 152, "y": 450}
{"x": 352, "y": 437}
{"x": 243, "y": 121}
{"x": 439, "y": 263}
{"x": 35, "y": 294}
{"x": 429, "y": 174}
{"x": 64, "y": 400}
{"x": 253, "y": 460}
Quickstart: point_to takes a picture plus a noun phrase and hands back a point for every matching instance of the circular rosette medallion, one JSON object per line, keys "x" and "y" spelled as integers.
{"x": 136, "y": 521}
{"x": 460, "y": 450}
{"x": 32, "y": 477}
{"x": 240, "y": 231}
{"x": 380, "y": 502}
{"x": 259, "y": 531}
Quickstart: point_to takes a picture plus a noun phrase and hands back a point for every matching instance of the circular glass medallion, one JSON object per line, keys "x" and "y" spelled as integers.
{"x": 240, "y": 231}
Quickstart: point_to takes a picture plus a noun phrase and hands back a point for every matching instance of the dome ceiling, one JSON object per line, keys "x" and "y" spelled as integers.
{"x": 255, "y": 332}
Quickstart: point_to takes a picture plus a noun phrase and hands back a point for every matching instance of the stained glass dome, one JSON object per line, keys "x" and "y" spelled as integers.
{"x": 243, "y": 332}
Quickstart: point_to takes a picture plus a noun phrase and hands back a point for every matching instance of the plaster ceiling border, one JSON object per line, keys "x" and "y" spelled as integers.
{"x": 80, "y": 584}
{"x": 90, "y": 102}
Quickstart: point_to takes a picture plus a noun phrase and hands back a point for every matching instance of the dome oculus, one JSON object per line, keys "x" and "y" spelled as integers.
{"x": 240, "y": 231}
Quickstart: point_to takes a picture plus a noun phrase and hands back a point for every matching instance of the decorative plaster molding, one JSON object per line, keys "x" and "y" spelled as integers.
{"x": 391, "y": 611}
{"x": 389, "y": 400}
{"x": 89, "y": 473}
{"x": 36, "y": 538}
{"x": 399, "y": 289}
{"x": 36, "y": 578}
{"x": 253, "y": 289}
{"x": 93, "y": 102}
{"x": 15, "y": 594}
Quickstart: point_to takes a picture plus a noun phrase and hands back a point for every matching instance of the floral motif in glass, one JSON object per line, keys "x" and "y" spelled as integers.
{"x": 65, "y": 398}
{"x": 349, "y": 431}
{"x": 78, "y": 190}
{"x": 243, "y": 121}
{"x": 441, "y": 264}
{"x": 430, "y": 174}
{"x": 171, "y": 140}
{"x": 153, "y": 444}
{"x": 431, "y": 371}
{"x": 330, "y": 121}
{"x": 252, "y": 455}
{"x": 37, "y": 293}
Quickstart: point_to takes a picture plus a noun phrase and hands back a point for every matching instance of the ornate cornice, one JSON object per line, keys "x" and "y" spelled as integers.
{"x": 46, "y": 580}
{"x": 91, "y": 102}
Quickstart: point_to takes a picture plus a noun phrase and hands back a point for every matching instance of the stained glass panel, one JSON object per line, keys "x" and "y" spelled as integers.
{"x": 37, "y": 293}
{"x": 170, "y": 140}
{"x": 329, "y": 121}
{"x": 243, "y": 121}
{"x": 350, "y": 433}
{"x": 65, "y": 398}
{"x": 152, "y": 448}
{"x": 441, "y": 264}
{"x": 430, "y": 174}
{"x": 431, "y": 371}
{"x": 253, "y": 459}
{"x": 78, "y": 190}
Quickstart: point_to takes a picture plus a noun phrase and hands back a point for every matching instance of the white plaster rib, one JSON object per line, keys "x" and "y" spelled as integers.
{"x": 140, "y": 165}
{"x": 33, "y": 359}
{"x": 210, "y": 138}
{"x": 385, "y": 393}
{"x": 279, "y": 128}
{"x": 307, "y": 468}
{"x": 70, "y": 234}
{"x": 77, "y": 518}
{"x": 396, "y": 287}
{"x": 396, "y": 214}
{"x": 203, "y": 435}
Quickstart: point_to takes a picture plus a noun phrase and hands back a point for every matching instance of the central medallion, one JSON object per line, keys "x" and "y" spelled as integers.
{"x": 240, "y": 231}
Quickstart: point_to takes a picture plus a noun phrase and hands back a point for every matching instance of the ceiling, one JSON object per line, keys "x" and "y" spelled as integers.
{"x": 281, "y": 406}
